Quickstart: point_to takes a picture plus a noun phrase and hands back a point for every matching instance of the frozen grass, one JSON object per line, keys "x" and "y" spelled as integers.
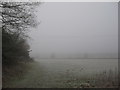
{"x": 53, "y": 75}
{"x": 13, "y": 73}
{"x": 104, "y": 79}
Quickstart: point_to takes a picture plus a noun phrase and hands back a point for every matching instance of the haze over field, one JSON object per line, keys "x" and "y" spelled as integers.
{"x": 74, "y": 46}
{"x": 76, "y": 30}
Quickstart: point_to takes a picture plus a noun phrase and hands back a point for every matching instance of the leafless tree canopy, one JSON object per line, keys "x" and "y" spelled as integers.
{"x": 17, "y": 16}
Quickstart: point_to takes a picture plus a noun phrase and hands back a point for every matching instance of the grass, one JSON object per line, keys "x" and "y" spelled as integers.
{"x": 35, "y": 75}
{"x": 23, "y": 76}
{"x": 104, "y": 79}
{"x": 14, "y": 72}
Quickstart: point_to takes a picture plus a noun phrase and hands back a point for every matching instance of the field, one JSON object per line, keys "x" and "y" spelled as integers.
{"x": 51, "y": 73}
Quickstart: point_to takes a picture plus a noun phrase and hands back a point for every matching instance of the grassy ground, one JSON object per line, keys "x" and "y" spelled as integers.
{"x": 105, "y": 79}
{"x": 29, "y": 75}
{"x": 14, "y": 73}
{"x": 35, "y": 75}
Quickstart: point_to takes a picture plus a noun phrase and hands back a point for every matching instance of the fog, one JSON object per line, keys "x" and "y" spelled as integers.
{"x": 75, "y": 30}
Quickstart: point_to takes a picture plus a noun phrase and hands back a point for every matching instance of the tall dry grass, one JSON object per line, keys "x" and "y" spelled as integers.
{"x": 103, "y": 79}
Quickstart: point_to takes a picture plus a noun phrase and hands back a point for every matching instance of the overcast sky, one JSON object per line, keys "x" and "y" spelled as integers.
{"x": 75, "y": 28}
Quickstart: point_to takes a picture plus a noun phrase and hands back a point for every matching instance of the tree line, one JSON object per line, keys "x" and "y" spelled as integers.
{"x": 17, "y": 18}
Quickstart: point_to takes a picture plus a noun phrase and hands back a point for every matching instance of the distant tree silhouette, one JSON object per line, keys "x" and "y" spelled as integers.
{"x": 85, "y": 55}
{"x": 53, "y": 56}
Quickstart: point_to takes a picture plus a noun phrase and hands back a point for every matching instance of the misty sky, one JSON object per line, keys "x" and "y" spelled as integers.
{"x": 75, "y": 28}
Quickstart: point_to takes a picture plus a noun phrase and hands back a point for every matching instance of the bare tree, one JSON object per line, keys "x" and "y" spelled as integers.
{"x": 17, "y": 17}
